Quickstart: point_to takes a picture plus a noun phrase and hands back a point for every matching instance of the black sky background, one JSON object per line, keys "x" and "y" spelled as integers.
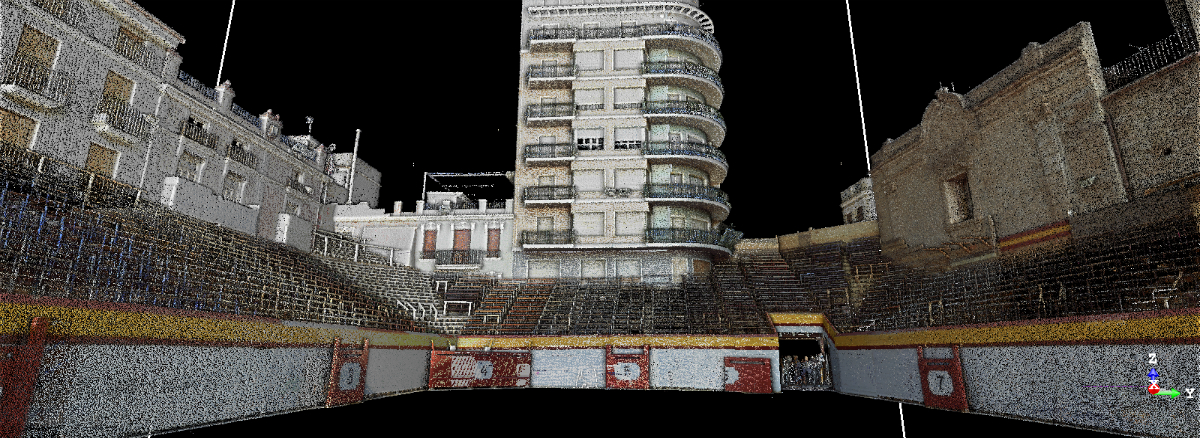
{"x": 433, "y": 88}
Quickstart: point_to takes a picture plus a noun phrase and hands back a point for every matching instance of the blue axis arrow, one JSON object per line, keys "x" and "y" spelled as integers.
{"x": 1152, "y": 374}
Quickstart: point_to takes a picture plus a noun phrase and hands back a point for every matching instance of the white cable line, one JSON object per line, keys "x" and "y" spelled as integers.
{"x": 859, "y": 86}
{"x": 226, "y": 46}
{"x": 903, "y": 434}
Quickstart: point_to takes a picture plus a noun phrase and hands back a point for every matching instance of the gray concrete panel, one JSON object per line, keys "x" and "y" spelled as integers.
{"x": 396, "y": 370}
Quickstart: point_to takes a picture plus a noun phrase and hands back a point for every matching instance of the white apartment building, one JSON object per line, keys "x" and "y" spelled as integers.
{"x": 448, "y": 231}
{"x": 618, "y": 168}
{"x": 97, "y": 84}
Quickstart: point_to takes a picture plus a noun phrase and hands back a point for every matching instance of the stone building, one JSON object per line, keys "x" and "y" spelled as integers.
{"x": 455, "y": 232}
{"x": 1051, "y": 147}
{"x": 618, "y": 170}
{"x": 98, "y": 86}
{"x": 858, "y": 202}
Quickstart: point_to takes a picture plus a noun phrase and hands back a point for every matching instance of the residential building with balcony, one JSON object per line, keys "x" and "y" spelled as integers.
{"x": 98, "y": 86}
{"x": 858, "y": 202}
{"x": 448, "y": 232}
{"x": 618, "y": 169}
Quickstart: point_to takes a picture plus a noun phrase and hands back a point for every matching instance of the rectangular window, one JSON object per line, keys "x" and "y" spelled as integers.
{"x": 627, "y": 59}
{"x": 589, "y": 224}
{"x": 858, "y": 213}
{"x": 590, "y": 139}
{"x": 189, "y": 167}
{"x": 630, "y": 178}
{"x": 234, "y": 184}
{"x": 589, "y": 60}
{"x": 695, "y": 180}
{"x": 629, "y": 268}
{"x": 674, "y": 137}
{"x": 462, "y": 240}
{"x": 699, "y": 224}
{"x": 430, "y": 244}
{"x": 674, "y": 97}
{"x": 545, "y": 223}
{"x": 15, "y": 130}
{"x": 493, "y": 247}
{"x": 958, "y": 199}
{"x": 102, "y": 160}
{"x": 592, "y": 99}
{"x": 593, "y": 268}
{"x": 589, "y": 180}
{"x": 678, "y": 222}
{"x": 547, "y": 139}
{"x": 128, "y": 44}
{"x": 543, "y": 269}
{"x": 629, "y": 138}
{"x": 628, "y": 98}
{"x": 117, "y": 89}
{"x": 676, "y": 178}
{"x": 546, "y": 180}
{"x": 631, "y": 223}
{"x": 35, "y": 55}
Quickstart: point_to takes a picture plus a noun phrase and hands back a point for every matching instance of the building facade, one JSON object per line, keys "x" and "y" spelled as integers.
{"x": 618, "y": 171}
{"x": 366, "y": 178}
{"x": 858, "y": 202}
{"x": 98, "y": 86}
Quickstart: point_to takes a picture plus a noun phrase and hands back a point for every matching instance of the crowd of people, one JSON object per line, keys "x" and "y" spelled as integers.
{"x": 804, "y": 371}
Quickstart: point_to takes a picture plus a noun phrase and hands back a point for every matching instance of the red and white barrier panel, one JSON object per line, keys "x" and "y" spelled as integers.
{"x": 470, "y": 369}
{"x": 748, "y": 374}
{"x": 627, "y": 371}
{"x": 348, "y": 375}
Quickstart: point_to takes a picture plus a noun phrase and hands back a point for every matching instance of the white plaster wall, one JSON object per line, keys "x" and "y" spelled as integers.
{"x": 701, "y": 368}
{"x": 200, "y": 202}
{"x": 122, "y": 390}
{"x": 880, "y": 373}
{"x": 396, "y": 370}
{"x": 568, "y": 368}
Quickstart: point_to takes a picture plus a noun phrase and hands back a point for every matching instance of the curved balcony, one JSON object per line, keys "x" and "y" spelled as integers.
{"x": 694, "y": 114}
{"x": 707, "y": 239}
{"x": 701, "y": 155}
{"x": 566, "y": 237}
{"x": 459, "y": 259}
{"x": 686, "y": 74}
{"x": 549, "y": 114}
{"x": 713, "y": 199}
{"x": 542, "y": 195}
{"x": 550, "y": 154}
{"x": 657, "y": 35}
{"x": 550, "y": 76}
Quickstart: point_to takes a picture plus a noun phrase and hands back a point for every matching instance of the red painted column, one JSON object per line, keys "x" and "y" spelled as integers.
{"x": 348, "y": 387}
{"x": 942, "y": 381}
{"x": 18, "y": 375}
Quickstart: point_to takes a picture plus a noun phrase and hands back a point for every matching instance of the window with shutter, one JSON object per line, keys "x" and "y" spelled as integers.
{"x": 676, "y": 178}
{"x": 547, "y": 139}
{"x": 462, "y": 240}
{"x": 117, "y": 89}
{"x": 545, "y": 224}
{"x": 593, "y": 268}
{"x": 631, "y": 223}
{"x": 15, "y": 129}
{"x": 695, "y": 180}
{"x": 629, "y": 268}
{"x": 674, "y": 137}
{"x": 627, "y": 98}
{"x": 630, "y": 178}
{"x": 678, "y": 222}
{"x": 629, "y": 138}
{"x": 589, "y": 224}
{"x": 590, "y": 139}
{"x": 189, "y": 167}
{"x": 430, "y": 244}
{"x": 493, "y": 243}
{"x": 102, "y": 160}
{"x": 34, "y": 57}
{"x": 546, "y": 180}
{"x": 589, "y": 180}
{"x": 589, "y": 60}
{"x": 627, "y": 59}
{"x": 592, "y": 99}
{"x": 232, "y": 189}
{"x": 698, "y": 224}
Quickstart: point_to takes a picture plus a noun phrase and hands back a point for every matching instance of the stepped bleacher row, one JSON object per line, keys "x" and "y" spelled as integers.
{"x": 68, "y": 233}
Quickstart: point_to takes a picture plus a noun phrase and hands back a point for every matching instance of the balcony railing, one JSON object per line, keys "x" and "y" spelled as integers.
{"x": 459, "y": 257}
{"x": 28, "y": 73}
{"x": 124, "y": 117}
{"x": 686, "y": 191}
{"x": 684, "y": 107}
{"x": 589, "y": 106}
{"x": 197, "y": 85}
{"x": 298, "y": 147}
{"x": 683, "y": 67}
{"x": 66, "y": 10}
{"x": 497, "y": 204}
{"x": 245, "y": 115}
{"x": 547, "y": 237}
{"x": 557, "y": 150}
{"x": 626, "y": 32}
{"x": 460, "y": 205}
{"x": 134, "y": 50}
{"x": 197, "y": 134}
{"x": 629, "y": 105}
{"x": 239, "y": 154}
{"x": 550, "y": 110}
{"x": 684, "y": 148}
{"x": 547, "y": 193}
{"x": 551, "y": 71}
{"x": 728, "y": 239}
{"x": 1155, "y": 56}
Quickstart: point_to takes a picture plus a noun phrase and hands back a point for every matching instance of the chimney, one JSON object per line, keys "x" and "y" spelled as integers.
{"x": 225, "y": 97}
{"x": 171, "y": 63}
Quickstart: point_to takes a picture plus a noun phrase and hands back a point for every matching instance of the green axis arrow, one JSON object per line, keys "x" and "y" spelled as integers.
{"x": 1171, "y": 392}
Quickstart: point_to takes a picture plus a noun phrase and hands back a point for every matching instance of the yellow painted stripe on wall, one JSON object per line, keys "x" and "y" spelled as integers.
{"x": 1036, "y": 235}
{"x": 1167, "y": 327}
{"x": 796, "y": 318}
{"x": 621, "y": 341}
{"x": 71, "y": 321}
